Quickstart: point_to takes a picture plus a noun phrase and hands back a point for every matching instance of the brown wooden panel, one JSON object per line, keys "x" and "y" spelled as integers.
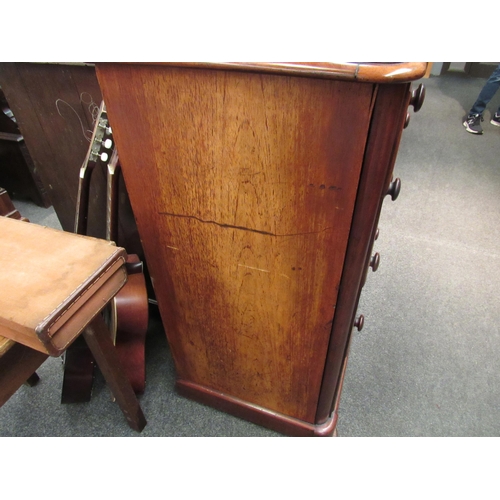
{"x": 243, "y": 186}
{"x": 54, "y": 106}
{"x": 17, "y": 172}
{"x": 46, "y": 102}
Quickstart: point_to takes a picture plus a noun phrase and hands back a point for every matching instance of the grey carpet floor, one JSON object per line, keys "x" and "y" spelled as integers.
{"x": 426, "y": 362}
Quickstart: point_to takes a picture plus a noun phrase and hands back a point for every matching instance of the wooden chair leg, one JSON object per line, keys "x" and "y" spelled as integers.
{"x": 16, "y": 367}
{"x": 98, "y": 339}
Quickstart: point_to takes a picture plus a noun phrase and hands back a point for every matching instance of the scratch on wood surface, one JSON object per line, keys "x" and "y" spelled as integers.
{"x": 230, "y": 226}
{"x": 173, "y": 248}
{"x": 255, "y": 268}
{"x": 284, "y": 275}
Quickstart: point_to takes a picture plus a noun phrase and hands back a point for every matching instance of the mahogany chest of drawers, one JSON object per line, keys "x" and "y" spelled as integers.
{"x": 257, "y": 189}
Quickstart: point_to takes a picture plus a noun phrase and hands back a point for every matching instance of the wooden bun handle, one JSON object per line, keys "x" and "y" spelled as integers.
{"x": 394, "y": 189}
{"x": 417, "y": 97}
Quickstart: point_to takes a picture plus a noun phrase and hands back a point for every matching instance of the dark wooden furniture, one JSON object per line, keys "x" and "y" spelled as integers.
{"x": 17, "y": 172}
{"x": 54, "y": 286}
{"x": 54, "y": 106}
{"x": 257, "y": 189}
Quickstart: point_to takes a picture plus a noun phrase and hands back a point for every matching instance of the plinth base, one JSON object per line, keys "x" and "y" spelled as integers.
{"x": 256, "y": 414}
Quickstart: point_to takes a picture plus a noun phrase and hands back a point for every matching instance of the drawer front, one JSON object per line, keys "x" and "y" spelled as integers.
{"x": 389, "y": 116}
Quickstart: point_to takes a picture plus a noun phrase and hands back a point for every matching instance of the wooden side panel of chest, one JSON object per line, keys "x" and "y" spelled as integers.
{"x": 244, "y": 187}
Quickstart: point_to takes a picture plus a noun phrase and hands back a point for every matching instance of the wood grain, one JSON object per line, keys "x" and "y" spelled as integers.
{"x": 243, "y": 186}
{"x": 360, "y": 72}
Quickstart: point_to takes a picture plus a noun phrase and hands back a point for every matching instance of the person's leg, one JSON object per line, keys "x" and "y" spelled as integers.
{"x": 495, "y": 119}
{"x": 472, "y": 122}
{"x": 487, "y": 93}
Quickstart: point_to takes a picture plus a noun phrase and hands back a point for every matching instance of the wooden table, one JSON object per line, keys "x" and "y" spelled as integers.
{"x": 257, "y": 189}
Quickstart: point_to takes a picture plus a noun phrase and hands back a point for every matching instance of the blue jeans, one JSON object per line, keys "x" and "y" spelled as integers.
{"x": 487, "y": 93}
